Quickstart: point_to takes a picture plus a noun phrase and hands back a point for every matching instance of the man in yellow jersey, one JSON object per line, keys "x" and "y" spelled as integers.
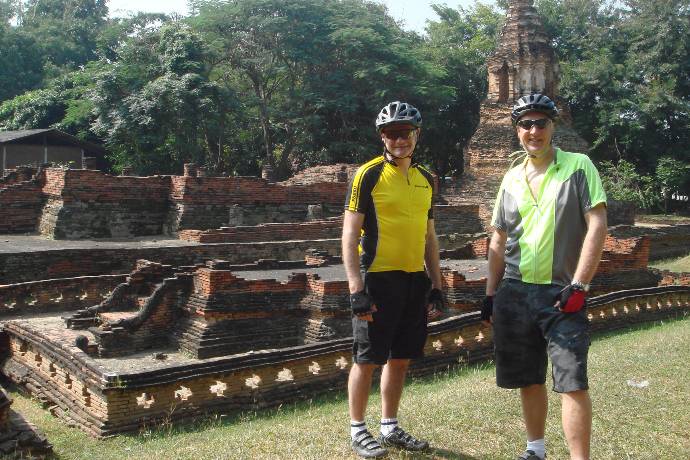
{"x": 549, "y": 229}
{"x": 390, "y": 251}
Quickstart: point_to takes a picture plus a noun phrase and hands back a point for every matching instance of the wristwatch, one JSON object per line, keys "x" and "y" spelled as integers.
{"x": 579, "y": 285}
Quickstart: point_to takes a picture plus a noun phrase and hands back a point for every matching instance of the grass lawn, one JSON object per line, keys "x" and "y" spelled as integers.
{"x": 663, "y": 219}
{"x": 678, "y": 265}
{"x": 461, "y": 411}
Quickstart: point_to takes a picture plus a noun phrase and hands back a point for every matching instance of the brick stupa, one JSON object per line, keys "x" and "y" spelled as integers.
{"x": 523, "y": 63}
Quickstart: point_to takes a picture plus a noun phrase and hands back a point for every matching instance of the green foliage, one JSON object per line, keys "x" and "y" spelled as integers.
{"x": 41, "y": 107}
{"x": 626, "y": 75}
{"x": 20, "y": 62}
{"x": 671, "y": 174}
{"x": 313, "y": 74}
{"x": 623, "y": 182}
{"x": 66, "y": 30}
{"x": 65, "y": 105}
{"x": 292, "y": 83}
{"x": 155, "y": 107}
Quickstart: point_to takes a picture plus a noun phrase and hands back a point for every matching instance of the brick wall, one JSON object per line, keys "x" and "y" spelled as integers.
{"x": 20, "y": 207}
{"x": 89, "y": 203}
{"x": 315, "y": 230}
{"x": 21, "y": 174}
{"x": 462, "y": 218}
{"x": 620, "y": 212}
{"x": 42, "y": 265}
{"x": 665, "y": 242}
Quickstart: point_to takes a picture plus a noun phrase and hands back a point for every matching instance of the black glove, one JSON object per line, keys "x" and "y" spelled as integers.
{"x": 487, "y": 308}
{"x": 438, "y": 303}
{"x": 361, "y": 303}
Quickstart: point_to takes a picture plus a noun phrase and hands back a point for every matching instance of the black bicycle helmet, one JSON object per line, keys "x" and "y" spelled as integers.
{"x": 534, "y": 103}
{"x": 398, "y": 113}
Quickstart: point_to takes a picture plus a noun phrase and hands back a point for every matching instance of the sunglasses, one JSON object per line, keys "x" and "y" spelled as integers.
{"x": 399, "y": 134}
{"x": 541, "y": 123}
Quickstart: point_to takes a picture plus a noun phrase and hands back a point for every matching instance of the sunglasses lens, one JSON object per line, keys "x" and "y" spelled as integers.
{"x": 527, "y": 124}
{"x": 398, "y": 134}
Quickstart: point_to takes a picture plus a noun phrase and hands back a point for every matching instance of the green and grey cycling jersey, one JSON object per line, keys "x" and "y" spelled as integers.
{"x": 545, "y": 235}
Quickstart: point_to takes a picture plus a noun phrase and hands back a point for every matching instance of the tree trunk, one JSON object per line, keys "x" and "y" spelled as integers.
{"x": 260, "y": 92}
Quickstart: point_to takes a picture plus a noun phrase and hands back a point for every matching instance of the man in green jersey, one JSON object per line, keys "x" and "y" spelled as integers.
{"x": 549, "y": 229}
{"x": 388, "y": 233}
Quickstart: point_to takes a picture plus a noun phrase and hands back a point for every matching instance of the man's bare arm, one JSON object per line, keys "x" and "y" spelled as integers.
{"x": 431, "y": 256}
{"x": 352, "y": 229}
{"x": 497, "y": 265}
{"x": 593, "y": 245}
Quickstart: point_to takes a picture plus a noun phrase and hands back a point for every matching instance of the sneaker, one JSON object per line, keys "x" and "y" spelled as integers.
{"x": 530, "y": 455}
{"x": 366, "y": 446}
{"x": 399, "y": 438}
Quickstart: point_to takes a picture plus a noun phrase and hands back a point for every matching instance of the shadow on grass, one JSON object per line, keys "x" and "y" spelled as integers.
{"x": 445, "y": 454}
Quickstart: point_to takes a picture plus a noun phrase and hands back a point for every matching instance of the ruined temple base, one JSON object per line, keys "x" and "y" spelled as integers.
{"x": 105, "y": 397}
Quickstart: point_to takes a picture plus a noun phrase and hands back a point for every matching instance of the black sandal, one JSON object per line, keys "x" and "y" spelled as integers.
{"x": 366, "y": 446}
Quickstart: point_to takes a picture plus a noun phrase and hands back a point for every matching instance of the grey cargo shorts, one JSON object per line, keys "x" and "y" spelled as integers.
{"x": 527, "y": 329}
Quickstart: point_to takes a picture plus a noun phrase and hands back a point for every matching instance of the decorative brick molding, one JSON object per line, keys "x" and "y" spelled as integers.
{"x": 67, "y": 294}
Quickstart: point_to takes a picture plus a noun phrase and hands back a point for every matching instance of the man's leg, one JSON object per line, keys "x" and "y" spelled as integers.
{"x": 577, "y": 423}
{"x": 358, "y": 387}
{"x": 534, "y": 408}
{"x": 392, "y": 381}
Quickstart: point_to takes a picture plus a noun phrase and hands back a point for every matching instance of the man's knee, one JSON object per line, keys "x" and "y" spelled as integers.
{"x": 363, "y": 369}
{"x": 577, "y": 396}
{"x": 403, "y": 363}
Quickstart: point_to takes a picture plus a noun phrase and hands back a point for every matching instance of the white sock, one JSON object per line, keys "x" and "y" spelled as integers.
{"x": 356, "y": 427}
{"x": 388, "y": 425}
{"x": 538, "y": 447}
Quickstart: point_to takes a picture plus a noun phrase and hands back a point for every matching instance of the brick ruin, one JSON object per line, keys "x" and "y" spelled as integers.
{"x": 180, "y": 342}
{"x": 523, "y": 63}
{"x": 19, "y": 438}
{"x": 247, "y": 314}
{"x": 114, "y": 352}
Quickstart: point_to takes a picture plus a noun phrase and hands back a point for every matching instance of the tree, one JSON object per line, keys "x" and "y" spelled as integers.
{"x": 459, "y": 44}
{"x": 670, "y": 175}
{"x": 155, "y": 107}
{"x": 21, "y": 62}
{"x": 313, "y": 72}
{"x": 623, "y": 182}
{"x": 66, "y": 30}
{"x": 626, "y": 75}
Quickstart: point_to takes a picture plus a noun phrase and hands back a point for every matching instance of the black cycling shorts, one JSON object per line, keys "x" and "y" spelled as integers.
{"x": 399, "y": 327}
{"x": 527, "y": 328}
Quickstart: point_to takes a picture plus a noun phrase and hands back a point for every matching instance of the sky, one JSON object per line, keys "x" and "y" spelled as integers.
{"x": 413, "y": 13}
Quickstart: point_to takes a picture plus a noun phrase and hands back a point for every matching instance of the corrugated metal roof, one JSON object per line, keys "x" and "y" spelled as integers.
{"x": 7, "y": 136}
{"x": 13, "y": 136}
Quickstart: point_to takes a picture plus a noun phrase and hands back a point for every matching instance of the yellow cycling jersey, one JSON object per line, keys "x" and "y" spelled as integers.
{"x": 396, "y": 209}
